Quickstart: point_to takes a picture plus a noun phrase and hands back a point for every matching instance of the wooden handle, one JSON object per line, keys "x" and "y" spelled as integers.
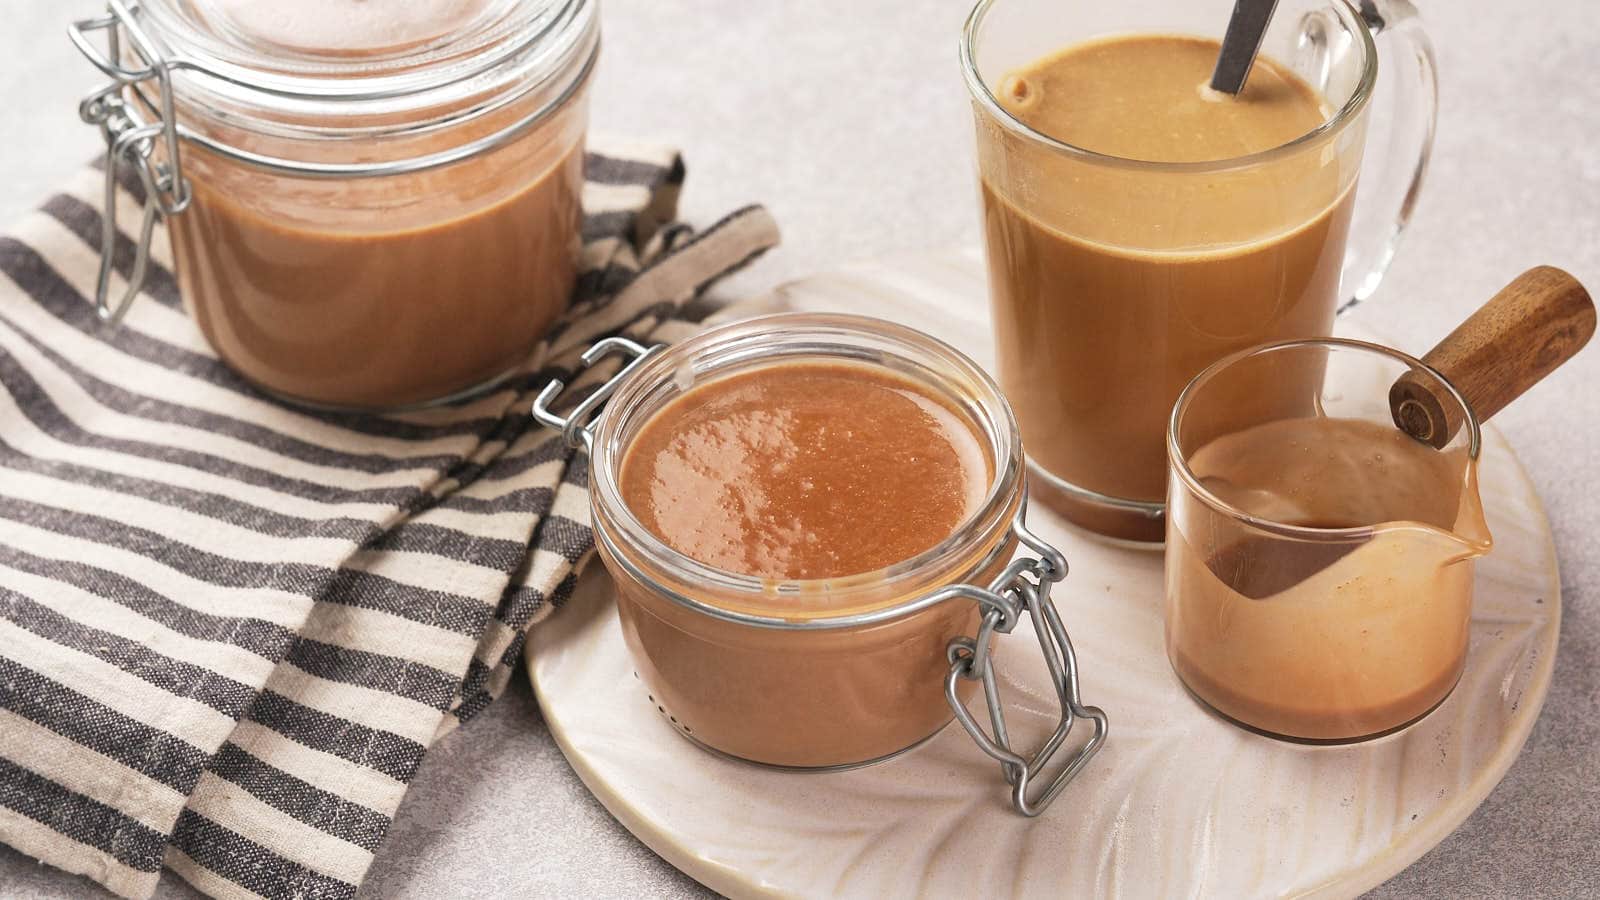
{"x": 1526, "y": 331}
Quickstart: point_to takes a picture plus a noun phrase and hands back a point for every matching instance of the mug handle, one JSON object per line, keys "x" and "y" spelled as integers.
{"x": 1401, "y": 144}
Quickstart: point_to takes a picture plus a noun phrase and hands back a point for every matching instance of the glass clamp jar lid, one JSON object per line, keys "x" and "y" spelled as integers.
{"x": 821, "y": 672}
{"x": 303, "y": 151}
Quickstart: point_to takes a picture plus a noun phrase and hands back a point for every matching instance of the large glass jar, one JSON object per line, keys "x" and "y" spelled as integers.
{"x": 371, "y": 206}
{"x": 835, "y": 672}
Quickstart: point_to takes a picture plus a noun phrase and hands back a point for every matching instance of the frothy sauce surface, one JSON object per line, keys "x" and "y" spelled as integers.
{"x": 805, "y": 470}
{"x": 1149, "y": 97}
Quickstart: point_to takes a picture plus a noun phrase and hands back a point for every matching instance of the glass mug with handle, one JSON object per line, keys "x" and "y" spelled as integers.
{"x": 1115, "y": 279}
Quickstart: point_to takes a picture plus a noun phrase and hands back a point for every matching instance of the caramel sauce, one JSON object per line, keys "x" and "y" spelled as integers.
{"x": 805, "y": 470}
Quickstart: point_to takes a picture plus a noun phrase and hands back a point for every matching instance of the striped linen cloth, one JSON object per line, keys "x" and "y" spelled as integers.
{"x": 230, "y": 629}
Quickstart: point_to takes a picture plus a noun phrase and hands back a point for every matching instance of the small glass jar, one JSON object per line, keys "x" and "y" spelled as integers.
{"x": 371, "y": 207}
{"x": 834, "y": 672}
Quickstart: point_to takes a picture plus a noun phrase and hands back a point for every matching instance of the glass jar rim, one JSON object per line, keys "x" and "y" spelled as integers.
{"x": 985, "y": 99}
{"x": 1179, "y": 464}
{"x": 531, "y": 44}
{"x": 757, "y": 341}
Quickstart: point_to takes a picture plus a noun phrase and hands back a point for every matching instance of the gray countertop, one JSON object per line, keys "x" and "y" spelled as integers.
{"x": 849, "y": 121}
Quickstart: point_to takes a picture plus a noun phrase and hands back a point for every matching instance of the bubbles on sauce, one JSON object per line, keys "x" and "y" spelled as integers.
{"x": 1211, "y": 95}
{"x": 1019, "y": 92}
{"x": 683, "y": 377}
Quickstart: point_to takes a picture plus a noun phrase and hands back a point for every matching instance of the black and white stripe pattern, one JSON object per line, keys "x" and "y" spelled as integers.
{"x": 230, "y": 629}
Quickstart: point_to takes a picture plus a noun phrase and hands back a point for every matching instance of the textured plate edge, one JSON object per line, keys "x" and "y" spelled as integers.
{"x": 719, "y": 877}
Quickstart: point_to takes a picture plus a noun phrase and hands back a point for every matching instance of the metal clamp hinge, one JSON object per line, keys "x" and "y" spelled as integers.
{"x": 1024, "y": 587}
{"x": 131, "y": 140}
{"x": 574, "y": 426}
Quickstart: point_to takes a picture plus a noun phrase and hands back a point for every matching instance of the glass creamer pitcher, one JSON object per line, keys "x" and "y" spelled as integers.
{"x": 1319, "y": 560}
{"x": 1116, "y": 276}
{"x": 1323, "y": 514}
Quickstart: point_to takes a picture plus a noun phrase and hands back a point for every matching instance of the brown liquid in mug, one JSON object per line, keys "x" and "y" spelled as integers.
{"x": 805, "y": 470}
{"x": 1318, "y": 640}
{"x": 1099, "y": 329}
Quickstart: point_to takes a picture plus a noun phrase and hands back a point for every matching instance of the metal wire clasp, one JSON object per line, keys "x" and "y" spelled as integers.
{"x": 1023, "y": 587}
{"x": 130, "y": 139}
{"x": 574, "y": 426}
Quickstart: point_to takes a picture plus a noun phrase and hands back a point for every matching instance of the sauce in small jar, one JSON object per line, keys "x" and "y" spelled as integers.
{"x": 805, "y": 470}
{"x": 802, "y": 471}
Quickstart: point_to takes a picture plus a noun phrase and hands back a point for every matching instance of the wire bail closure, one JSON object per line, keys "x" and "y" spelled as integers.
{"x": 131, "y": 140}
{"x": 574, "y": 427}
{"x": 1022, "y": 588}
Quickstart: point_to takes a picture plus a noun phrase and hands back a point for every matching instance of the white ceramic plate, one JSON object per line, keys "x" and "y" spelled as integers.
{"x": 1177, "y": 804}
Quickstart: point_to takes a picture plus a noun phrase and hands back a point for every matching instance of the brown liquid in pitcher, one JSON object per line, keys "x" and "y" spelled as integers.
{"x": 805, "y": 470}
{"x": 1113, "y": 285}
{"x": 1326, "y": 640}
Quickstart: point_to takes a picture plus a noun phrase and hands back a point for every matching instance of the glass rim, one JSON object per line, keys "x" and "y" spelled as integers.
{"x": 985, "y": 98}
{"x": 219, "y": 81}
{"x": 989, "y": 522}
{"x": 1178, "y": 464}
